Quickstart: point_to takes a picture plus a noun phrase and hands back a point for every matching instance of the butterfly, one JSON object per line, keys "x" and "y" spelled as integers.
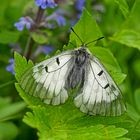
{"x": 95, "y": 92}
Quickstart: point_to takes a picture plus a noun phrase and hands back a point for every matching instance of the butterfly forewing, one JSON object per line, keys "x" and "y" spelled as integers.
{"x": 46, "y": 80}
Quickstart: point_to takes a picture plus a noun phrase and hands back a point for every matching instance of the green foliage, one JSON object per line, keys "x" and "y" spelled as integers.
{"x": 8, "y": 131}
{"x": 20, "y": 69}
{"x": 39, "y": 37}
{"x": 129, "y": 33}
{"x": 137, "y": 98}
{"x": 86, "y": 28}
{"x": 55, "y": 123}
{"x": 8, "y": 111}
{"x": 7, "y": 36}
{"x": 123, "y": 7}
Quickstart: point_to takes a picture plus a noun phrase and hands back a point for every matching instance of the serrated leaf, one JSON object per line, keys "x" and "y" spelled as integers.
{"x": 86, "y": 28}
{"x": 21, "y": 65}
{"x": 55, "y": 123}
{"x": 129, "y": 33}
{"x": 108, "y": 60}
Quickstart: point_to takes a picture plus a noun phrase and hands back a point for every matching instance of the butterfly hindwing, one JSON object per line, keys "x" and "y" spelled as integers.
{"x": 46, "y": 80}
{"x": 99, "y": 95}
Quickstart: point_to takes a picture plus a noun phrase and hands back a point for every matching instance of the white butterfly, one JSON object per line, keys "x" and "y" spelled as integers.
{"x": 95, "y": 91}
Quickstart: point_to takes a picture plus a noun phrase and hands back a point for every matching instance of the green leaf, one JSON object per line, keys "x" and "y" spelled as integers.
{"x": 137, "y": 98}
{"x": 8, "y": 131}
{"x": 55, "y": 123}
{"x": 4, "y": 101}
{"x": 108, "y": 60}
{"x": 136, "y": 67}
{"x": 39, "y": 37}
{"x": 21, "y": 65}
{"x": 132, "y": 113}
{"x": 86, "y": 28}
{"x": 7, "y": 37}
{"x": 129, "y": 33}
{"x": 127, "y": 37}
{"x": 123, "y": 7}
{"x": 8, "y": 110}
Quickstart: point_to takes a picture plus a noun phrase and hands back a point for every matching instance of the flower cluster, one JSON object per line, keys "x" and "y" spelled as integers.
{"x": 46, "y": 3}
{"x": 55, "y": 17}
{"x": 24, "y": 22}
{"x": 45, "y": 49}
{"x": 79, "y": 6}
{"x": 28, "y": 22}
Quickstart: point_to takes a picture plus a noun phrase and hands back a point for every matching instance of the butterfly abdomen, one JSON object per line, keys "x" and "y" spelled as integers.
{"x": 75, "y": 78}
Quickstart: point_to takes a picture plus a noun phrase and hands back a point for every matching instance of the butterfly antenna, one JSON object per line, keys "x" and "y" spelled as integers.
{"x": 77, "y": 36}
{"x": 95, "y": 40}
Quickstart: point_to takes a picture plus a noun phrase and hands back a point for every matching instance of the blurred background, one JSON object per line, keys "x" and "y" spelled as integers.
{"x": 119, "y": 23}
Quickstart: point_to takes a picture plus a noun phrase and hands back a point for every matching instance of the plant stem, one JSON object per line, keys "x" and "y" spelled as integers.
{"x": 31, "y": 42}
{"x": 28, "y": 48}
{"x": 7, "y": 84}
{"x": 39, "y": 16}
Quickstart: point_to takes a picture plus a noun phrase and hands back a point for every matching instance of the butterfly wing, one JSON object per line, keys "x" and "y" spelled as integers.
{"x": 46, "y": 80}
{"x": 99, "y": 95}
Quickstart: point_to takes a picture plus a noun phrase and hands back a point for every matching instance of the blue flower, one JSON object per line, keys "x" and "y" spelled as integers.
{"x": 45, "y": 49}
{"x": 46, "y": 3}
{"x": 79, "y": 6}
{"x": 24, "y": 22}
{"x": 56, "y": 17}
{"x": 10, "y": 67}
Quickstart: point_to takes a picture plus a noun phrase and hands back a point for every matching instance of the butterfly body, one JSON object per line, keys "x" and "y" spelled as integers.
{"x": 77, "y": 72}
{"x": 52, "y": 79}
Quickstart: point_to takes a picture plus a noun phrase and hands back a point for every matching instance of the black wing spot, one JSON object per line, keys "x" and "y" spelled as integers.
{"x": 100, "y": 73}
{"x": 106, "y": 86}
{"x": 46, "y": 69}
{"x": 57, "y": 60}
